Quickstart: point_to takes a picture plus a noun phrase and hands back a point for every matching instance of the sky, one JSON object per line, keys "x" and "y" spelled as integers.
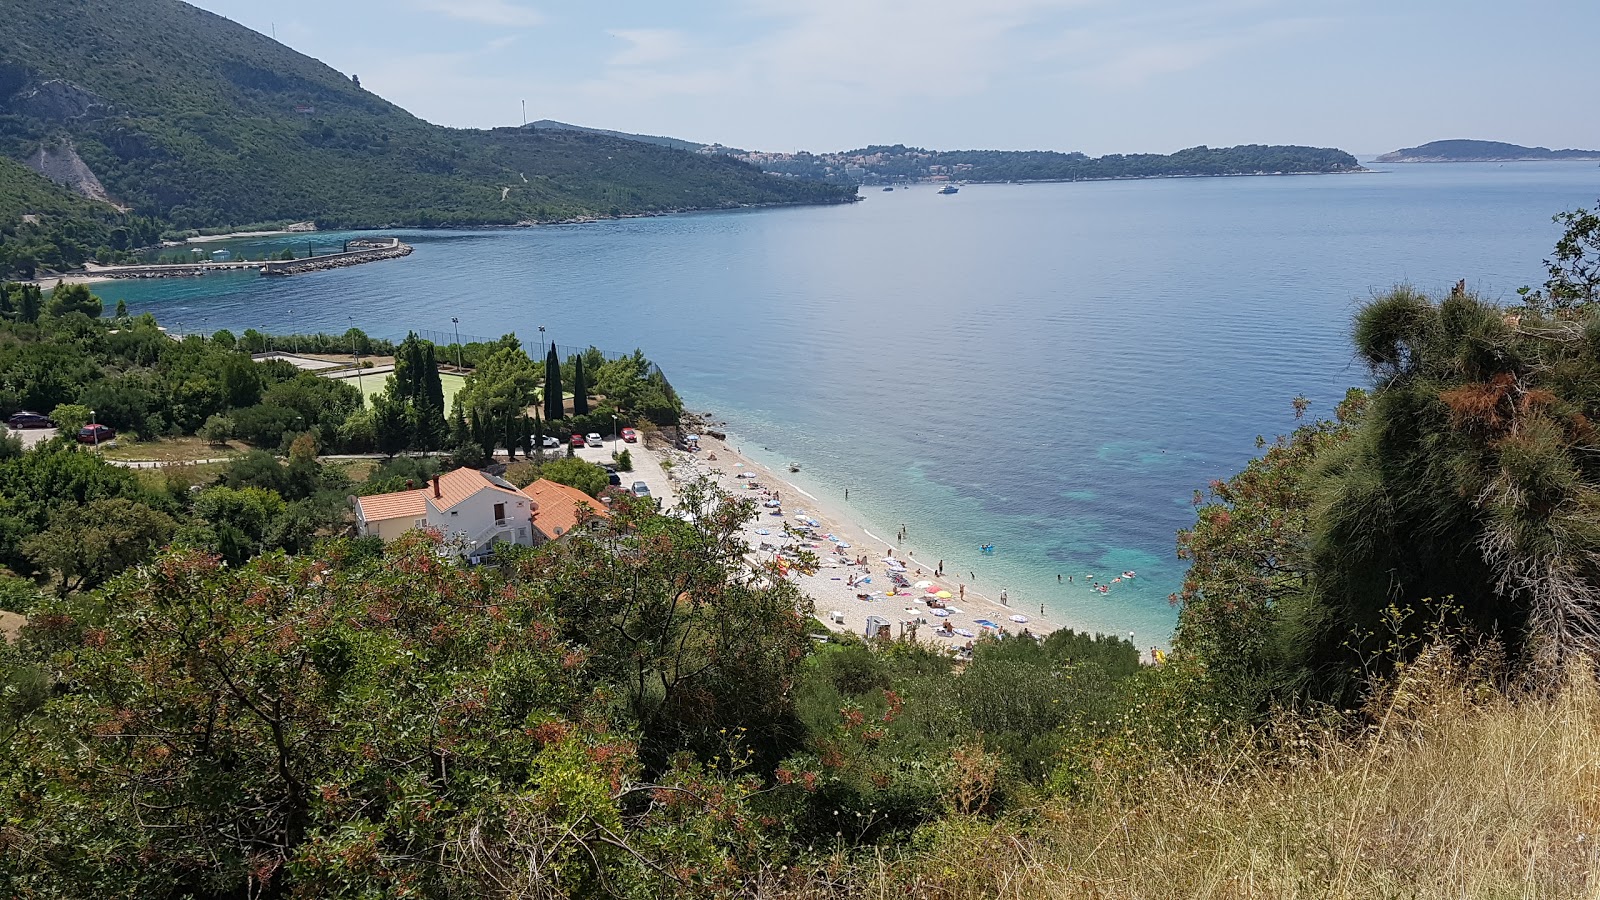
{"x": 1100, "y": 76}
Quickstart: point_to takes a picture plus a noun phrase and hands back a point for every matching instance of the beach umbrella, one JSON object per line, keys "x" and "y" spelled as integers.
{"x": 923, "y": 584}
{"x": 944, "y": 595}
{"x": 1020, "y": 620}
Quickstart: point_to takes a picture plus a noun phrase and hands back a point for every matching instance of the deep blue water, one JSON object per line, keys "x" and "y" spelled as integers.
{"x": 1051, "y": 368}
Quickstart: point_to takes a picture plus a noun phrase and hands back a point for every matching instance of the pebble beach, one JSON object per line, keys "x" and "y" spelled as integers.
{"x": 855, "y": 578}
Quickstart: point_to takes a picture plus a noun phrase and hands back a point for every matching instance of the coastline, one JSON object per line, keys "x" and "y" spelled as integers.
{"x": 830, "y": 586}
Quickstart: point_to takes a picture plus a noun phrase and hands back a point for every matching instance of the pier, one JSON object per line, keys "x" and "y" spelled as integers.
{"x": 363, "y": 251}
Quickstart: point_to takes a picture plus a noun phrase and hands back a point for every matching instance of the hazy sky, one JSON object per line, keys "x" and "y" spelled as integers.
{"x": 1093, "y": 75}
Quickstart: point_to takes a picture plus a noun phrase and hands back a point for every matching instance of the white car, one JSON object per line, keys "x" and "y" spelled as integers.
{"x": 594, "y": 439}
{"x": 551, "y": 441}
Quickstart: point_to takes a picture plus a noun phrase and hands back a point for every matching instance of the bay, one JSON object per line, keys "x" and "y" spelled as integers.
{"x": 1051, "y": 368}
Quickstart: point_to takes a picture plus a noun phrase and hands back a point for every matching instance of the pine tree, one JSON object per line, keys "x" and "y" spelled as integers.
{"x": 553, "y": 408}
{"x": 580, "y": 389}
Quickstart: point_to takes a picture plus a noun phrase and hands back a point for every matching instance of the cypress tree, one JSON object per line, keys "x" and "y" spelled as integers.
{"x": 538, "y": 433}
{"x": 432, "y": 385}
{"x": 30, "y": 304}
{"x": 554, "y": 410}
{"x": 580, "y": 389}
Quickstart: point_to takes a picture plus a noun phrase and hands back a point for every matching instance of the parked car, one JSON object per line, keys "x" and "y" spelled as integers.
{"x": 94, "y": 433}
{"x": 25, "y": 419}
{"x": 577, "y": 440}
{"x": 594, "y": 439}
{"x": 640, "y": 489}
{"x": 629, "y": 436}
{"x": 614, "y": 479}
{"x": 551, "y": 440}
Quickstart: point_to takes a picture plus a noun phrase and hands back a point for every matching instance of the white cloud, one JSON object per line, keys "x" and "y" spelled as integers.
{"x": 648, "y": 46}
{"x": 502, "y": 13}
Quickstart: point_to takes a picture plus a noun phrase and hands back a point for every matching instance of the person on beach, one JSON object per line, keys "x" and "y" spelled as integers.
{"x": 1058, "y": 578}
{"x": 1003, "y": 600}
{"x": 1041, "y": 609}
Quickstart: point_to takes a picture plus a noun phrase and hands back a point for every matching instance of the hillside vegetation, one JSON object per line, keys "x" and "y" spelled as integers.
{"x": 43, "y": 225}
{"x": 902, "y": 163}
{"x": 189, "y": 117}
{"x": 1382, "y": 684}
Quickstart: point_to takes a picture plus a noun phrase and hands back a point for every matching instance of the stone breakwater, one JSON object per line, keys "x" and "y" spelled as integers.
{"x": 367, "y": 251}
{"x": 363, "y": 251}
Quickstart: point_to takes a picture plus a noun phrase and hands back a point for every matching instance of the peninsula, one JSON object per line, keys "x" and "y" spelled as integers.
{"x": 1481, "y": 151}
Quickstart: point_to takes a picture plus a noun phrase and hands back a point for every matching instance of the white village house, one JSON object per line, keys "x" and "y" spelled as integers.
{"x": 467, "y": 506}
{"x": 476, "y": 510}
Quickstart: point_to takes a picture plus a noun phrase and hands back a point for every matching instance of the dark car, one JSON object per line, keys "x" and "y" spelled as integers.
{"x": 614, "y": 479}
{"x": 27, "y": 419}
{"x": 94, "y": 433}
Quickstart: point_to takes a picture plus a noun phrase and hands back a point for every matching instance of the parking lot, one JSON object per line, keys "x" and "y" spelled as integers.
{"x": 646, "y": 468}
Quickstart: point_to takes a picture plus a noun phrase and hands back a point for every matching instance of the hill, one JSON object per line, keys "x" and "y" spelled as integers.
{"x": 1480, "y": 151}
{"x": 190, "y": 117}
{"x": 901, "y": 163}
{"x": 674, "y": 143}
{"x": 45, "y": 225}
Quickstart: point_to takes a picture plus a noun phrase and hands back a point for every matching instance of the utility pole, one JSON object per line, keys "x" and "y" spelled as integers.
{"x": 457, "y": 323}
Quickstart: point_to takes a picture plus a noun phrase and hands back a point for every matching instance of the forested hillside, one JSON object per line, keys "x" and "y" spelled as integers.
{"x": 898, "y": 162}
{"x": 45, "y": 225}
{"x": 187, "y": 116}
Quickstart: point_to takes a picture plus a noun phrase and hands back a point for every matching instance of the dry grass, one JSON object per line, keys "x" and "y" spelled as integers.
{"x": 1454, "y": 791}
{"x": 183, "y": 449}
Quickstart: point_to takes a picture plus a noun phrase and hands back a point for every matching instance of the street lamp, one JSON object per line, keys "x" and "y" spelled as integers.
{"x": 613, "y": 436}
{"x": 294, "y": 339}
{"x": 457, "y": 323}
{"x": 541, "y": 340}
{"x": 93, "y": 418}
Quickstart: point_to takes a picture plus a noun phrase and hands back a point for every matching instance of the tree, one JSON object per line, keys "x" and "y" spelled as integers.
{"x": 666, "y": 609}
{"x": 122, "y": 309}
{"x": 86, "y": 545}
{"x": 390, "y": 424}
{"x": 1575, "y": 266}
{"x": 574, "y": 472}
{"x": 30, "y": 303}
{"x": 71, "y": 298}
{"x": 70, "y": 418}
{"x": 217, "y": 430}
{"x": 580, "y": 388}
{"x": 554, "y": 408}
{"x": 343, "y": 726}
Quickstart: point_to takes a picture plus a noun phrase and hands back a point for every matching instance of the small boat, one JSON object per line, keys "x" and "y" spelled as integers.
{"x": 949, "y": 189}
{"x": 794, "y": 467}
{"x": 887, "y": 189}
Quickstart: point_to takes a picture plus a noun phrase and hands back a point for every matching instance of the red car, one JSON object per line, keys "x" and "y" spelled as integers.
{"x": 629, "y": 436}
{"x": 577, "y": 441}
{"x": 96, "y": 434}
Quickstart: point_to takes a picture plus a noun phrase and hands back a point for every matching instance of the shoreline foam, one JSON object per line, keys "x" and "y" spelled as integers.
{"x": 829, "y": 587}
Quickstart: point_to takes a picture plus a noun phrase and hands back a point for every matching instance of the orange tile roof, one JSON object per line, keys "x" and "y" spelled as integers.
{"x": 557, "y": 507}
{"x": 454, "y": 487}
{"x": 457, "y": 486}
{"x": 399, "y": 505}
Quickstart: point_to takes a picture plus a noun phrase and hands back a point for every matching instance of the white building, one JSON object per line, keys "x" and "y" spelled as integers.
{"x": 473, "y": 510}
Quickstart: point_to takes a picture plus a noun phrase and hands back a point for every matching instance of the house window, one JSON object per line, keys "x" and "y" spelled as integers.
{"x": 499, "y": 512}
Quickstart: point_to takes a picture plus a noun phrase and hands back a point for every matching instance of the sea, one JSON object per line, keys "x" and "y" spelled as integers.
{"x": 1050, "y": 369}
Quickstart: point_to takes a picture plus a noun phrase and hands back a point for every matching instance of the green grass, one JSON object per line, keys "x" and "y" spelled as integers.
{"x": 374, "y": 385}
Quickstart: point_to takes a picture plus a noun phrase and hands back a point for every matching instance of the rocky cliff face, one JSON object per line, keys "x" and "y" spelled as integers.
{"x": 52, "y": 100}
{"x": 61, "y": 163}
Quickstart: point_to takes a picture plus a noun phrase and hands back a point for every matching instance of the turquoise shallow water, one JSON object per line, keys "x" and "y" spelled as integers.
{"x": 1051, "y": 368}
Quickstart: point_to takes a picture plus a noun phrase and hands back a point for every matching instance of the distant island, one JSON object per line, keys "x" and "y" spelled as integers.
{"x": 897, "y": 163}
{"x": 1481, "y": 151}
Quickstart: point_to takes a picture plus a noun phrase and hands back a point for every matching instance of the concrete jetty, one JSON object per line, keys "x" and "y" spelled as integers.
{"x": 362, "y": 251}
